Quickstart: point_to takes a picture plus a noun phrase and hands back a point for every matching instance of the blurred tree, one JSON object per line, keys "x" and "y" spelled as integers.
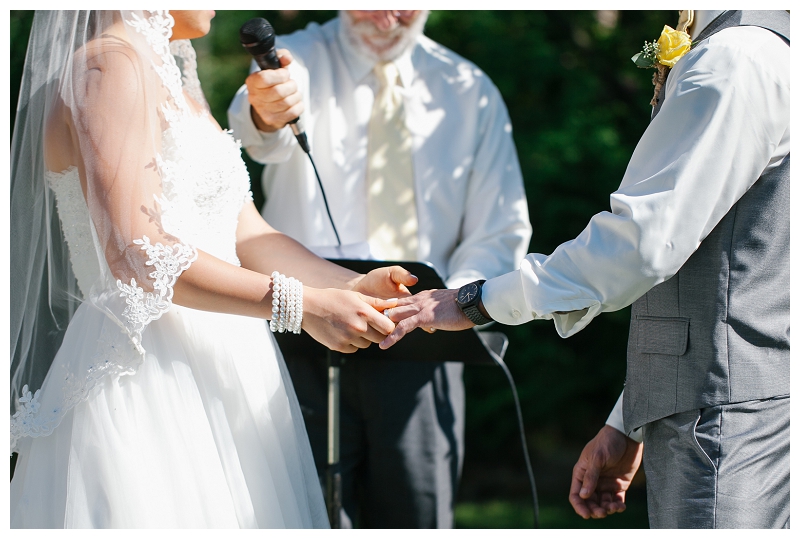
{"x": 578, "y": 106}
{"x": 20, "y": 29}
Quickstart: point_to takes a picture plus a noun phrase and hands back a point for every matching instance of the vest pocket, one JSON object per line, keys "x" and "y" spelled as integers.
{"x": 662, "y": 335}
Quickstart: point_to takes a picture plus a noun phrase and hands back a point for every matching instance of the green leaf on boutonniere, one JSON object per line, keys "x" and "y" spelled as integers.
{"x": 641, "y": 60}
{"x": 648, "y": 57}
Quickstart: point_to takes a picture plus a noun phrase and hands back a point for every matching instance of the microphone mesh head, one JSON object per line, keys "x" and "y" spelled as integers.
{"x": 257, "y": 33}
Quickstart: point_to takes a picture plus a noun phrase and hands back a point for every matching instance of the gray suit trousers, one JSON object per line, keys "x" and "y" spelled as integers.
{"x": 725, "y": 466}
{"x": 402, "y": 437}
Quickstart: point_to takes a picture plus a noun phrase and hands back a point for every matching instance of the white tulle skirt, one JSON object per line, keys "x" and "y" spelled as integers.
{"x": 206, "y": 433}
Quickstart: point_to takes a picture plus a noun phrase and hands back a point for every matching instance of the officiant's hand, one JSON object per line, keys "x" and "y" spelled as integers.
{"x": 603, "y": 473}
{"x": 430, "y": 310}
{"x": 274, "y": 97}
{"x": 343, "y": 320}
{"x": 388, "y": 282}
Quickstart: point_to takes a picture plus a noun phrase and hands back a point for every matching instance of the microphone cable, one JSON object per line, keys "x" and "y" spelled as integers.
{"x": 324, "y": 198}
{"x": 501, "y": 363}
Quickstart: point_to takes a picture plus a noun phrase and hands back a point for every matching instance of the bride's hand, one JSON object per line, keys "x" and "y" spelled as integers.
{"x": 388, "y": 282}
{"x": 344, "y": 320}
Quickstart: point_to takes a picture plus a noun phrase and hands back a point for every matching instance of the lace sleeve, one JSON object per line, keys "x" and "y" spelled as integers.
{"x": 168, "y": 262}
{"x": 99, "y": 97}
{"x": 122, "y": 106}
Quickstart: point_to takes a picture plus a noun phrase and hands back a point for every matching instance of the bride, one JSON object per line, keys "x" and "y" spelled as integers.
{"x": 146, "y": 388}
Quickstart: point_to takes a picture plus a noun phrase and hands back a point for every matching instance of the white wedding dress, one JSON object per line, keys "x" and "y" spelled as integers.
{"x": 182, "y": 418}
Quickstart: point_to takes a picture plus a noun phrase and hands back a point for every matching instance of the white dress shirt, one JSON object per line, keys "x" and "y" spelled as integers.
{"x": 723, "y": 122}
{"x": 471, "y": 206}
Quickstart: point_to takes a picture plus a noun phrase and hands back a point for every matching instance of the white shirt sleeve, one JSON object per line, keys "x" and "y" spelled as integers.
{"x": 615, "y": 420}
{"x": 725, "y": 119}
{"x": 495, "y": 230}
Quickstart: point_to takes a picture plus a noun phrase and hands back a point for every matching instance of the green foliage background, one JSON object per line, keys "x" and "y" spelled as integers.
{"x": 578, "y": 106}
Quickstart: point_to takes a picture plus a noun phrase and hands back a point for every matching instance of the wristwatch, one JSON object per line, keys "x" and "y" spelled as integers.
{"x": 468, "y": 298}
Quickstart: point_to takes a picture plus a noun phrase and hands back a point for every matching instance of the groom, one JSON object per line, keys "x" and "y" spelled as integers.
{"x": 698, "y": 238}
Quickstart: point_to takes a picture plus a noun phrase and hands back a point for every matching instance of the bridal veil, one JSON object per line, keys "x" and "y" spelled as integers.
{"x": 99, "y": 89}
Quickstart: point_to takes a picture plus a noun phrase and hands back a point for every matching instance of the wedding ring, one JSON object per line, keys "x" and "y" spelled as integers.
{"x": 386, "y": 312}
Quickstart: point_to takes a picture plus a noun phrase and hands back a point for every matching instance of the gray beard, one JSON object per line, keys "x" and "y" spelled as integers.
{"x": 382, "y": 46}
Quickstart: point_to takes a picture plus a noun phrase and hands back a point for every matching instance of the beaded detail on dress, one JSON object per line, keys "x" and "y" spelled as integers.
{"x": 112, "y": 358}
{"x": 76, "y": 226}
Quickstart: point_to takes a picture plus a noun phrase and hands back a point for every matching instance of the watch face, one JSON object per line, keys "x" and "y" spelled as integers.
{"x": 467, "y": 293}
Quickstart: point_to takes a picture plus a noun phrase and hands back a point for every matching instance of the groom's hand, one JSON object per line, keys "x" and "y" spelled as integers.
{"x": 603, "y": 473}
{"x": 274, "y": 97}
{"x": 430, "y": 310}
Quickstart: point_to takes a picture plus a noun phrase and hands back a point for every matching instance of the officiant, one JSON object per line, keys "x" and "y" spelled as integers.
{"x": 697, "y": 240}
{"x": 414, "y": 148}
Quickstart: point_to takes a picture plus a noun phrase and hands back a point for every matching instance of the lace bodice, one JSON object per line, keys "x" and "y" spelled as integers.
{"x": 205, "y": 184}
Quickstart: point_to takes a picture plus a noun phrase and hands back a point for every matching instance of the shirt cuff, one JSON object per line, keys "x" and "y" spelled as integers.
{"x": 521, "y": 296}
{"x": 615, "y": 420}
{"x": 504, "y": 299}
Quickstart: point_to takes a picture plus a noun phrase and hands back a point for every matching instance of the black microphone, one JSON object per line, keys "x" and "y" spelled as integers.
{"x": 258, "y": 38}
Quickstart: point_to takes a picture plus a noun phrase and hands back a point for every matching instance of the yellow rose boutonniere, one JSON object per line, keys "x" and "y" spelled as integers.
{"x": 667, "y": 50}
{"x": 672, "y": 45}
{"x": 663, "y": 54}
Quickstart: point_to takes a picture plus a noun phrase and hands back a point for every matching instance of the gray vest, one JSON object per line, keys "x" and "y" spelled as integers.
{"x": 718, "y": 331}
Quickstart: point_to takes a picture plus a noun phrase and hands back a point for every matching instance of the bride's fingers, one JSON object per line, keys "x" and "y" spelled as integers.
{"x": 361, "y": 342}
{"x": 376, "y": 318}
{"x": 403, "y": 278}
{"x": 400, "y": 331}
{"x": 378, "y": 304}
{"x": 338, "y": 345}
{"x": 373, "y": 335}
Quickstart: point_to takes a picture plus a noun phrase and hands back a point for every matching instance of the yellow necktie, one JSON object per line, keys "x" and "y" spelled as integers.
{"x": 392, "y": 213}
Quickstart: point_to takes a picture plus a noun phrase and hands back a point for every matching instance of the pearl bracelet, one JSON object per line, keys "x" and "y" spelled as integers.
{"x": 287, "y": 304}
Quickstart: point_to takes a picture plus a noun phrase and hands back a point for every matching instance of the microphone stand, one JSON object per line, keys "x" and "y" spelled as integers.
{"x": 333, "y": 483}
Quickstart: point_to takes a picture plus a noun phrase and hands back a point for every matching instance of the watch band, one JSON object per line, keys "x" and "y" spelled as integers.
{"x": 474, "y": 314}
{"x": 470, "y": 309}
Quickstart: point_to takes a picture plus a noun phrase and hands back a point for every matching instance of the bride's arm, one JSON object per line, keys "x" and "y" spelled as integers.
{"x": 341, "y": 320}
{"x": 263, "y": 249}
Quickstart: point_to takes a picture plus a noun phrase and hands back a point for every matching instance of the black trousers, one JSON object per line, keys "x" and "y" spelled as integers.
{"x": 402, "y": 438}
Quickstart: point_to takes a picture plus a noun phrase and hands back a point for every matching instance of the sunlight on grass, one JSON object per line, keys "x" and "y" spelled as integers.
{"x": 500, "y": 514}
